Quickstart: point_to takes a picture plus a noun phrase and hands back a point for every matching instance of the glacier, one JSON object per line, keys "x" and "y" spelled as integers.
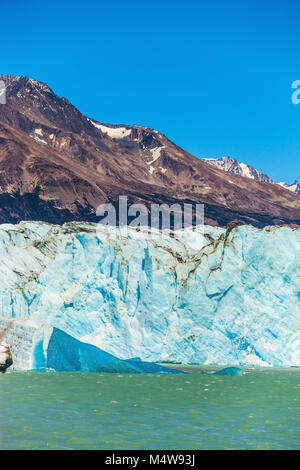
{"x": 221, "y": 296}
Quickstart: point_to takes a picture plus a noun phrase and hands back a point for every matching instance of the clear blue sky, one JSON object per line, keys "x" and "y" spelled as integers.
{"x": 214, "y": 76}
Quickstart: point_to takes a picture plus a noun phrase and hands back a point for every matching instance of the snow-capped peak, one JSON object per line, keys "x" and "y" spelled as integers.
{"x": 295, "y": 187}
{"x": 231, "y": 165}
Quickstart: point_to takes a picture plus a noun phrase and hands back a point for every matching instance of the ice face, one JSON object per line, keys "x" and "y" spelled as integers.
{"x": 40, "y": 347}
{"x": 231, "y": 297}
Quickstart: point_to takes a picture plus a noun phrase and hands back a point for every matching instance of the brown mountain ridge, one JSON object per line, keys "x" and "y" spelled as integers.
{"x": 57, "y": 165}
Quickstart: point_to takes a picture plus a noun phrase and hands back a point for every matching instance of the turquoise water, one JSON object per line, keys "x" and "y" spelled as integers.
{"x": 113, "y": 411}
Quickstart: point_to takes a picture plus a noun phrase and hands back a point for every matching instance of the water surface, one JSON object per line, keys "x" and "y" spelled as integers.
{"x": 260, "y": 410}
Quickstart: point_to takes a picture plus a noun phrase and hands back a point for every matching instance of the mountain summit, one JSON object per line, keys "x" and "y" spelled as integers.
{"x": 233, "y": 166}
{"x": 295, "y": 187}
{"x": 57, "y": 165}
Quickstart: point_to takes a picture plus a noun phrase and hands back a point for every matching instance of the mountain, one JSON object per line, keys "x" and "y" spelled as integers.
{"x": 230, "y": 297}
{"x": 295, "y": 187}
{"x": 231, "y": 165}
{"x": 57, "y": 165}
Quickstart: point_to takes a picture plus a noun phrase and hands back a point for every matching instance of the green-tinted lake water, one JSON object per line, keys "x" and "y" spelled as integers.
{"x": 260, "y": 410}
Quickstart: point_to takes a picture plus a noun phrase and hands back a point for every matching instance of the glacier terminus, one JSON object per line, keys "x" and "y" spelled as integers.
{"x": 225, "y": 296}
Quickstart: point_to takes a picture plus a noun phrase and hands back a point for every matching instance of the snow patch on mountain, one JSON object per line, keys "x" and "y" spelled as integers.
{"x": 156, "y": 153}
{"x": 38, "y": 133}
{"x": 113, "y": 132}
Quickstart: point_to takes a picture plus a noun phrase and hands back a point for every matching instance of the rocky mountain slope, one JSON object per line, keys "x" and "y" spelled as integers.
{"x": 219, "y": 297}
{"x": 57, "y": 165}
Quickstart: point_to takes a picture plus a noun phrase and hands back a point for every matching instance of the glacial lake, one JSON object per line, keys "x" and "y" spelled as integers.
{"x": 260, "y": 410}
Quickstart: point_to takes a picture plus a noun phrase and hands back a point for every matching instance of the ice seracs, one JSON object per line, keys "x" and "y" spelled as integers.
{"x": 225, "y": 296}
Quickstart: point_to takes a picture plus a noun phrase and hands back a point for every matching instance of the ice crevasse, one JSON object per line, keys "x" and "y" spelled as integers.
{"x": 225, "y": 296}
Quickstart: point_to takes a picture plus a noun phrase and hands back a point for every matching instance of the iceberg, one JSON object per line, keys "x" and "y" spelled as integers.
{"x": 40, "y": 348}
{"x": 229, "y": 371}
{"x": 227, "y": 296}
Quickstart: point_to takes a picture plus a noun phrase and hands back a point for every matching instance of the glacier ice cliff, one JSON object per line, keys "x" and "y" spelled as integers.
{"x": 228, "y": 296}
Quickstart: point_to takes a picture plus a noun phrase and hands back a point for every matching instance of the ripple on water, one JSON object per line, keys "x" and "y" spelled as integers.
{"x": 80, "y": 411}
